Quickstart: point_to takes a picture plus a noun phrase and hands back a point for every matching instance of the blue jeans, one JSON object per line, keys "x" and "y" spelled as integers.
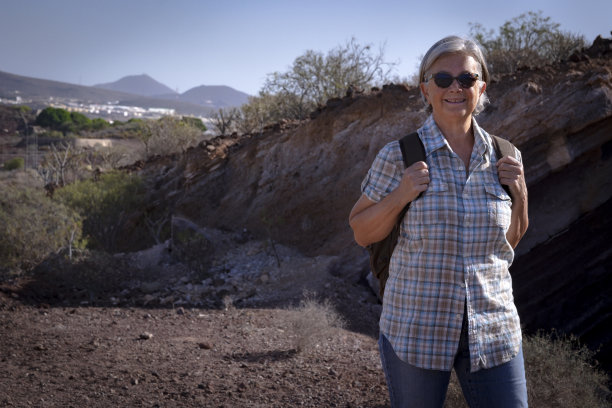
{"x": 503, "y": 386}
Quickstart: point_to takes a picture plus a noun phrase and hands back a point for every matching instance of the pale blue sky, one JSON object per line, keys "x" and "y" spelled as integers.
{"x": 187, "y": 43}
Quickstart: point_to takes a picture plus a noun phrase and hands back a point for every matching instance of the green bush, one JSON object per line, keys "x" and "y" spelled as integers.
{"x": 106, "y": 205}
{"x": 15, "y": 163}
{"x": 32, "y": 226}
{"x": 99, "y": 124}
{"x": 55, "y": 119}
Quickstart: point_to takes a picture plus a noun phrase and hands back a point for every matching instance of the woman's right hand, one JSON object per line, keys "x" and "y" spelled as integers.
{"x": 371, "y": 221}
{"x": 414, "y": 181}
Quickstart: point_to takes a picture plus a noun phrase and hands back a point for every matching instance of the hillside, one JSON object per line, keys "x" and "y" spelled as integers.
{"x": 298, "y": 182}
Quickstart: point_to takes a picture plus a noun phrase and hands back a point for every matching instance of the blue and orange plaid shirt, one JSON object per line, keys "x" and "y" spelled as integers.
{"x": 452, "y": 249}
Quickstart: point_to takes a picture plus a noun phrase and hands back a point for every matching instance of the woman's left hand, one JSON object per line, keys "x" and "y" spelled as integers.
{"x": 511, "y": 173}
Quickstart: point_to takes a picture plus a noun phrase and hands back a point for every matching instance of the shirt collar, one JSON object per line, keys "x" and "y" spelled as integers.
{"x": 433, "y": 139}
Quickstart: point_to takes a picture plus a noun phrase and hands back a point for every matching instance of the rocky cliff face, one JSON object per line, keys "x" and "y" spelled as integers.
{"x": 297, "y": 182}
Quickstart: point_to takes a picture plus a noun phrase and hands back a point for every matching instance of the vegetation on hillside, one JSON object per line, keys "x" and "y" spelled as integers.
{"x": 312, "y": 79}
{"x": 32, "y": 226}
{"x": 105, "y": 205}
{"x": 529, "y": 40}
{"x": 61, "y": 120}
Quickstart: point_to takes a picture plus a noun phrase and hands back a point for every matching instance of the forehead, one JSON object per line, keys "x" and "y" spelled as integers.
{"x": 455, "y": 64}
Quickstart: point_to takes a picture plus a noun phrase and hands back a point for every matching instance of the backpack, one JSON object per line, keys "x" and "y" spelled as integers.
{"x": 413, "y": 151}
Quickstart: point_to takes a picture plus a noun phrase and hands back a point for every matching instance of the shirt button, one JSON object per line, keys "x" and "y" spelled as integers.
{"x": 459, "y": 316}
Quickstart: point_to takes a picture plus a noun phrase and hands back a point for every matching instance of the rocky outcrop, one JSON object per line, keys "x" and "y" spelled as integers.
{"x": 296, "y": 183}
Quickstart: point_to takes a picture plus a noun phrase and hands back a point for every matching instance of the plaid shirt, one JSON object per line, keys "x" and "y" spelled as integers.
{"x": 452, "y": 248}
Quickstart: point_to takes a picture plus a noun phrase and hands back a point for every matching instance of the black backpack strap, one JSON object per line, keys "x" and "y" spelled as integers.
{"x": 503, "y": 148}
{"x": 412, "y": 151}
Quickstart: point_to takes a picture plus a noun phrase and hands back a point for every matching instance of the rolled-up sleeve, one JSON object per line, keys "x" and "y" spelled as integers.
{"x": 385, "y": 174}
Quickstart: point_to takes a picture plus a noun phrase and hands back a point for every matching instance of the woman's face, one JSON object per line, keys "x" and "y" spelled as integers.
{"x": 453, "y": 102}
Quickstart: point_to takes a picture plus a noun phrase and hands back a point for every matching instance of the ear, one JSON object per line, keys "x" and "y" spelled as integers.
{"x": 425, "y": 91}
{"x": 482, "y": 88}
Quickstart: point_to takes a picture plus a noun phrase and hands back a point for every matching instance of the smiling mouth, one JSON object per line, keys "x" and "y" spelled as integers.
{"x": 455, "y": 101}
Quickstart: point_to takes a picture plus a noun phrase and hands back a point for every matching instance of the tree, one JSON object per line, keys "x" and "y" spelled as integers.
{"x": 54, "y": 118}
{"x": 169, "y": 135}
{"x": 314, "y": 77}
{"x": 225, "y": 120}
{"x": 58, "y": 161}
{"x": 79, "y": 122}
{"x": 529, "y": 40}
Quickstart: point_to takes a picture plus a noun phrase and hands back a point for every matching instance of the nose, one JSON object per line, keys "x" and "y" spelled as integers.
{"x": 455, "y": 85}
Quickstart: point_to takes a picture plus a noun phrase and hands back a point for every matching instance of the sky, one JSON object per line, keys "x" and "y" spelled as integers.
{"x": 188, "y": 43}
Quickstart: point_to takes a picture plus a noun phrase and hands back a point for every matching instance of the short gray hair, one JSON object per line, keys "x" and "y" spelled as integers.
{"x": 456, "y": 45}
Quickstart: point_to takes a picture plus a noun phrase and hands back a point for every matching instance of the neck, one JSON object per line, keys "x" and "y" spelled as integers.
{"x": 455, "y": 128}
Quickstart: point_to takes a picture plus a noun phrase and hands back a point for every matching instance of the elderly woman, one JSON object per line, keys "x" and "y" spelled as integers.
{"x": 448, "y": 300}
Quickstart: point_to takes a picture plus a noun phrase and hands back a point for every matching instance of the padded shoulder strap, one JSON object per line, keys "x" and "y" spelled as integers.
{"x": 412, "y": 149}
{"x": 412, "y": 152}
{"x": 503, "y": 148}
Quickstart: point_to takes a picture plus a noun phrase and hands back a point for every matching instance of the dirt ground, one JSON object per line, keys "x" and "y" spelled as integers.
{"x": 139, "y": 357}
{"x": 68, "y": 339}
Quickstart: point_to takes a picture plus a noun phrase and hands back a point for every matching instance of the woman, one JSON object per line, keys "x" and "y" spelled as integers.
{"x": 448, "y": 300}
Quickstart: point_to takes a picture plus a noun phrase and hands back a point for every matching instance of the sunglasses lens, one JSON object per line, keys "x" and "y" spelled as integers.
{"x": 466, "y": 80}
{"x": 443, "y": 80}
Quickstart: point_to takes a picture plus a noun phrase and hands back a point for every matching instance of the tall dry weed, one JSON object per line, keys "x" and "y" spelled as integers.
{"x": 313, "y": 322}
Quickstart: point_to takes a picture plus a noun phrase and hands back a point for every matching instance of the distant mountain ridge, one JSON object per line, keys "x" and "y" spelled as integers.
{"x": 138, "y": 84}
{"x": 199, "y": 101}
{"x": 209, "y": 96}
{"x": 219, "y": 96}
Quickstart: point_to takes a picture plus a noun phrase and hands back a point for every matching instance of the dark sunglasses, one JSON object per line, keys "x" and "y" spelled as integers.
{"x": 444, "y": 80}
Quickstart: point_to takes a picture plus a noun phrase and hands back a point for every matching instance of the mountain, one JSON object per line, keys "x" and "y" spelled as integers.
{"x": 40, "y": 92}
{"x": 210, "y": 96}
{"x": 215, "y": 96}
{"x": 137, "y": 84}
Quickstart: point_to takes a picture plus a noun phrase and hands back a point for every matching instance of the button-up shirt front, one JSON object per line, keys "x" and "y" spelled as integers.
{"x": 452, "y": 249}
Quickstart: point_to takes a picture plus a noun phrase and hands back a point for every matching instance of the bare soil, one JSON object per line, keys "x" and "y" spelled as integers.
{"x": 70, "y": 338}
{"x": 138, "y": 357}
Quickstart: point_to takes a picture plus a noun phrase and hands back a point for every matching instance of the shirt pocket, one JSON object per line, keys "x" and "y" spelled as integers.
{"x": 434, "y": 204}
{"x": 499, "y": 205}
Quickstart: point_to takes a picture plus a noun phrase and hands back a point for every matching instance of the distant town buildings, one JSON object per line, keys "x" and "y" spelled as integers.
{"x": 109, "y": 111}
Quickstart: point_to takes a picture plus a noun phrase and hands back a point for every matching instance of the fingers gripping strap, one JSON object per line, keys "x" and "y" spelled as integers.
{"x": 503, "y": 148}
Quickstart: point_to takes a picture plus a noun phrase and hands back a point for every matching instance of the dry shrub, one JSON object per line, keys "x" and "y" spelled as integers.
{"x": 562, "y": 373}
{"x": 314, "y": 322}
{"x": 32, "y": 226}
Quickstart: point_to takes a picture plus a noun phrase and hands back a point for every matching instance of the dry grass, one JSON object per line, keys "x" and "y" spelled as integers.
{"x": 313, "y": 322}
{"x": 560, "y": 373}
